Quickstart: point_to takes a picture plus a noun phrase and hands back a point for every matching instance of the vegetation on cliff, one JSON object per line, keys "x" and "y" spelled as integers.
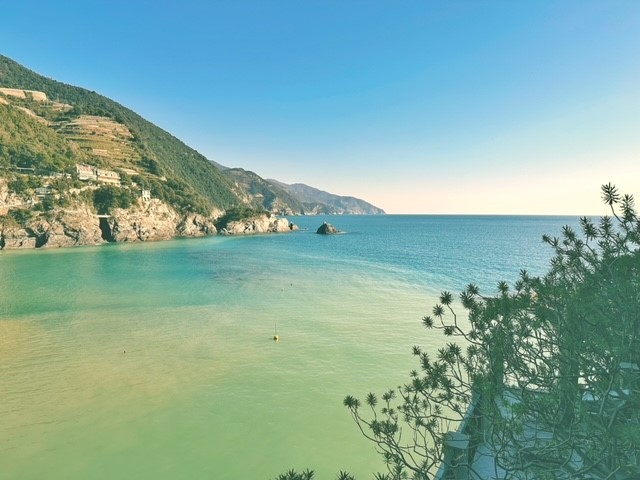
{"x": 237, "y": 213}
{"x": 26, "y": 142}
{"x": 158, "y": 155}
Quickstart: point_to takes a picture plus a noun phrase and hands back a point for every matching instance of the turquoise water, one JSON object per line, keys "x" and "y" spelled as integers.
{"x": 156, "y": 361}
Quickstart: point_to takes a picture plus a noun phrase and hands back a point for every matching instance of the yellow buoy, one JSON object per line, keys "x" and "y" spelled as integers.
{"x": 276, "y": 337}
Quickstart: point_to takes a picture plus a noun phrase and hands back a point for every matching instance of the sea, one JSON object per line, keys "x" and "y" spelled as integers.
{"x": 158, "y": 360}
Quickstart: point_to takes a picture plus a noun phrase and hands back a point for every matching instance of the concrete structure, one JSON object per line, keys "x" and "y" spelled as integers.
{"x": 86, "y": 172}
{"x": 107, "y": 176}
{"x": 91, "y": 173}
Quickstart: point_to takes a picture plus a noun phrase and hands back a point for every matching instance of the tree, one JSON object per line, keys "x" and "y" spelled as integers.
{"x": 309, "y": 475}
{"x": 235, "y": 214}
{"x": 108, "y": 197}
{"x": 549, "y": 367}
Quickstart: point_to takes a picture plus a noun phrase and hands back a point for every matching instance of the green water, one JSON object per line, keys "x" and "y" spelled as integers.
{"x": 202, "y": 391}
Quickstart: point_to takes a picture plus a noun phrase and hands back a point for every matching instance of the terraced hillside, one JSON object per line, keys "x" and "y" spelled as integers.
{"x": 102, "y": 137}
{"x": 114, "y": 137}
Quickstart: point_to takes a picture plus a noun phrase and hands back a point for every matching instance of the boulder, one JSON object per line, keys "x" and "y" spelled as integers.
{"x": 327, "y": 229}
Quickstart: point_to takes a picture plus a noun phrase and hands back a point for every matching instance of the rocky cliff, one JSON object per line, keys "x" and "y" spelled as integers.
{"x": 150, "y": 221}
{"x": 296, "y": 199}
{"x": 259, "y": 224}
{"x": 60, "y": 228}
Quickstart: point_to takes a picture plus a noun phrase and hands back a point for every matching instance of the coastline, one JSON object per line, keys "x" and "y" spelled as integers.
{"x": 146, "y": 222}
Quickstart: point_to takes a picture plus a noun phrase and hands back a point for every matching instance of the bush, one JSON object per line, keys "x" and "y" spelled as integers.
{"x": 22, "y": 184}
{"x": 108, "y": 197}
{"x": 20, "y": 215}
{"x": 237, "y": 213}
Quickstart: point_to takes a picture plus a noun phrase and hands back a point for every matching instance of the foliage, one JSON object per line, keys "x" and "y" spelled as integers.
{"x": 549, "y": 362}
{"x": 309, "y": 475}
{"x": 293, "y": 475}
{"x": 62, "y": 184}
{"x": 176, "y": 193}
{"x": 237, "y": 213}
{"x": 265, "y": 194}
{"x": 19, "y": 215}
{"x": 27, "y": 143}
{"x": 23, "y": 184}
{"x": 46, "y": 204}
{"x": 108, "y": 197}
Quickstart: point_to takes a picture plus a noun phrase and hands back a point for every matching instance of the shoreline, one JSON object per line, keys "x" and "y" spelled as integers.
{"x": 154, "y": 221}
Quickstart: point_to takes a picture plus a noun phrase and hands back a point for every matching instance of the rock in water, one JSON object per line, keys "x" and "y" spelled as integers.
{"x": 327, "y": 229}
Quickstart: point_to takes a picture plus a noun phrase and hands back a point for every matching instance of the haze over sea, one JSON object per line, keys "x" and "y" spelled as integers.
{"x": 203, "y": 391}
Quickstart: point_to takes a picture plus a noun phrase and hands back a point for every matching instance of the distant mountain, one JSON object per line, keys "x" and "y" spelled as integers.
{"x": 296, "y": 199}
{"x": 263, "y": 194}
{"x": 317, "y": 202}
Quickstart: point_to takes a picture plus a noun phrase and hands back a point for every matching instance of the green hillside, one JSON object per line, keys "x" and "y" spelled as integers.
{"x": 263, "y": 194}
{"x": 178, "y": 173}
{"x": 26, "y": 142}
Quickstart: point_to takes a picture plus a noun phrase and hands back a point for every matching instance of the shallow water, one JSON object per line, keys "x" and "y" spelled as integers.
{"x": 157, "y": 360}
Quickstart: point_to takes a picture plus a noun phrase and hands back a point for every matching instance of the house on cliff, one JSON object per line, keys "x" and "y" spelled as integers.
{"x": 95, "y": 174}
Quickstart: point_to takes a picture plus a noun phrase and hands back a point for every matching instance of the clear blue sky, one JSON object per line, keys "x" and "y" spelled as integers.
{"x": 416, "y": 106}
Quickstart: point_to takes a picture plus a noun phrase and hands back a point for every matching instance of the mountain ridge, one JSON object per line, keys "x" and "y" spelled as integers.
{"x": 293, "y": 199}
{"x": 320, "y": 202}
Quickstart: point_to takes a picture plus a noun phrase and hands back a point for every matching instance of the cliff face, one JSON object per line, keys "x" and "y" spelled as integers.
{"x": 8, "y": 199}
{"x": 151, "y": 221}
{"x": 61, "y": 228}
{"x": 260, "y": 224}
{"x": 296, "y": 199}
{"x": 81, "y": 226}
{"x": 319, "y": 202}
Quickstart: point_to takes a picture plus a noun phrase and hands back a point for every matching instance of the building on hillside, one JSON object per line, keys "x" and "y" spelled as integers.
{"x": 146, "y": 195}
{"x": 86, "y": 172}
{"x": 89, "y": 172}
{"x": 107, "y": 176}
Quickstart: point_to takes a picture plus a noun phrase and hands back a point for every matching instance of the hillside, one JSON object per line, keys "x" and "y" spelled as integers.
{"x": 317, "y": 202}
{"x": 296, "y": 199}
{"x": 113, "y": 136}
{"x": 262, "y": 194}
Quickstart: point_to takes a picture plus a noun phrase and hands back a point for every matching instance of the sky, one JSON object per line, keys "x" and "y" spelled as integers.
{"x": 464, "y": 107}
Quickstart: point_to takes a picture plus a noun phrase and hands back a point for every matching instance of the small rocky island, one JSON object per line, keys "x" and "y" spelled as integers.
{"x": 327, "y": 229}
